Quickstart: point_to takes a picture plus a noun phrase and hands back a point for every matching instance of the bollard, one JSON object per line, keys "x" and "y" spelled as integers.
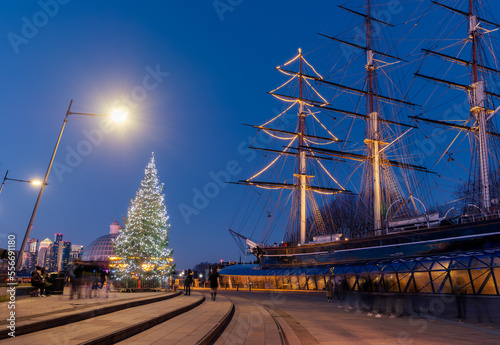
{"x": 237, "y": 287}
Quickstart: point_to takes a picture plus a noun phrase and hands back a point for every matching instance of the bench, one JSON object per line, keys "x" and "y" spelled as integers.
{"x": 22, "y": 291}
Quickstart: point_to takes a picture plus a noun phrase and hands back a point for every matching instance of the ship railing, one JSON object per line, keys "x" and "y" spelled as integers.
{"x": 470, "y": 218}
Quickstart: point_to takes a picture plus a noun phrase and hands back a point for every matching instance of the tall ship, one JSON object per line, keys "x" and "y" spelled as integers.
{"x": 355, "y": 169}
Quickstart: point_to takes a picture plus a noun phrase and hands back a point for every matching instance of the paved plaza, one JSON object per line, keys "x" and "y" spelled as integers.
{"x": 237, "y": 317}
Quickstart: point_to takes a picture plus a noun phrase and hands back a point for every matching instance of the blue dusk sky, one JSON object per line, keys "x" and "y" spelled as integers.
{"x": 190, "y": 73}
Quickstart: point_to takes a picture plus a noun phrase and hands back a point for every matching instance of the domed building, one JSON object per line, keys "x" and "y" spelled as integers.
{"x": 102, "y": 248}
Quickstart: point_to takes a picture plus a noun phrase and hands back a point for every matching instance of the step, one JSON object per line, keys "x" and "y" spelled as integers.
{"x": 111, "y": 327}
{"x": 197, "y": 326}
{"x": 65, "y": 317}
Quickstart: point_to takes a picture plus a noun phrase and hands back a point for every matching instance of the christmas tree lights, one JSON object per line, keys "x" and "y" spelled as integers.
{"x": 142, "y": 244}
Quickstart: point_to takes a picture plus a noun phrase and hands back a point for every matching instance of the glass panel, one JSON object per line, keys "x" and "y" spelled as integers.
{"x": 420, "y": 267}
{"x": 336, "y": 270}
{"x": 363, "y": 283}
{"x": 391, "y": 282}
{"x": 496, "y": 277}
{"x": 351, "y": 281}
{"x": 359, "y": 269}
{"x": 427, "y": 264}
{"x": 275, "y": 280}
{"x": 489, "y": 287}
{"x": 459, "y": 263}
{"x": 302, "y": 282}
{"x": 371, "y": 268}
{"x": 478, "y": 279}
{"x": 396, "y": 267}
{"x": 294, "y": 283}
{"x": 279, "y": 282}
{"x": 287, "y": 283}
{"x": 437, "y": 280}
{"x": 477, "y": 263}
{"x": 496, "y": 261}
{"x": 441, "y": 264}
{"x": 376, "y": 283}
{"x": 251, "y": 280}
{"x": 460, "y": 282}
{"x": 320, "y": 282}
{"x": 384, "y": 267}
{"x": 404, "y": 279}
{"x": 266, "y": 282}
{"x": 272, "y": 282}
{"x": 423, "y": 282}
{"x": 259, "y": 282}
{"x": 348, "y": 269}
{"x": 311, "y": 283}
{"x": 409, "y": 266}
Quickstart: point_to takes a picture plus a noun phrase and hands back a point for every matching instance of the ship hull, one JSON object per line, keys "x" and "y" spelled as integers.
{"x": 445, "y": 239}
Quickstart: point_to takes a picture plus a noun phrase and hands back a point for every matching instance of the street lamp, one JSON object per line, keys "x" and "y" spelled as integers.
{"x": 33, "y": 182}
{"x": 118, "y": 116}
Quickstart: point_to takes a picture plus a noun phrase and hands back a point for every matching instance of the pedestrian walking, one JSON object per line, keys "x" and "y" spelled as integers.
{"x": 188, "y": 282}
{"x": 329, "y": 290}
{"x": 214, "y": 282}
{"x": 340, "y": 289}
{"x": 459, "y": 290}
{"x": 75, "y": 277}
{"x": 102, "y": 278}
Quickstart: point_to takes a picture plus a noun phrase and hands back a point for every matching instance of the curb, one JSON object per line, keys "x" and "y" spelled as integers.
{"x": 127, "y": 332}
{"x": 64, "y": 320}
{"x": 217, "y": 330}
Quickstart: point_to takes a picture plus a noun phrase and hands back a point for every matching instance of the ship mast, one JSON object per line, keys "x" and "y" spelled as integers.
{"x": 302, "y": 159}
{"x": 373, "y": 140}
{"x": 478, "y": 109}
{"x": 373, "y": 128}
{"x": 477, "y": 93}
{"x": 301, "y": 147}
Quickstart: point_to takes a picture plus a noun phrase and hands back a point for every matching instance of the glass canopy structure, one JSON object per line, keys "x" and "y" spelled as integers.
{"x": 100, "y": 249}
{"x": 475, "y": 273}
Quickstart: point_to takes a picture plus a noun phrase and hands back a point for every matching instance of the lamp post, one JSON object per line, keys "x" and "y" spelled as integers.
{"x": 33, "y": 182}
{"x": 118, "y": 116}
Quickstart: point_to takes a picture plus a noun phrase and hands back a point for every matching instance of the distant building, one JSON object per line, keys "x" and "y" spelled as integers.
{"x": 51, "y": 258}
{"x": 102, "y": 248}
{"x": 76, "y": 252}
{"x": 57, "y": 238}
{"x": 42, "y": 252}
{"x": 30, "y": 255}
{"x": 63, "y": 253}
{"x": 32, "y": 245}
{"x": 55, "y": 254}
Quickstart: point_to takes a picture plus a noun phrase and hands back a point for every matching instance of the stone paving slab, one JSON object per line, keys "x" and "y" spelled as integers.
{"x": 251, "y": 324}
{"x": 189, "y": 328}
{"x": 113, "y": 327}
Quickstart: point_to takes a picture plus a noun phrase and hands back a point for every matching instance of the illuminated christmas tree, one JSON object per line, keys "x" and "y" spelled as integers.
{"x": 142, "y": 245}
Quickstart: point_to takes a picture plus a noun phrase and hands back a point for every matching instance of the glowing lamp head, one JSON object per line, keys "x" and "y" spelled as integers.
{"x": 119, "y": 115}
{"x": 36, "y": 183}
